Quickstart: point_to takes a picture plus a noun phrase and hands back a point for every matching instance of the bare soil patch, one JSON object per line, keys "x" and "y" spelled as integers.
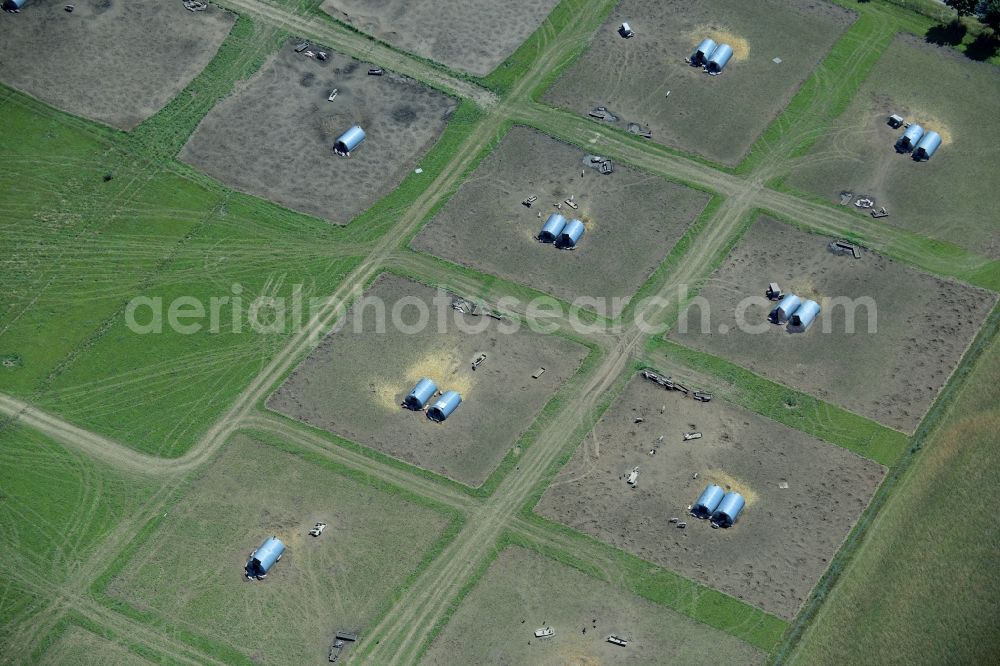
{"x": 719, "y": 117}
{"x": 889, "y": 368}
{"x": 353, "y": 383}
{"x": 190, "y": 573}
{"x": 114, "y": 61}
{"x": 274, "y": 138}
{"x": 782, "y": 542}
{"x": 472, "y": 36}
{"x": 952, "y": 196}
{"x": 633, "y": 219}
{"x": 523, "y": 591}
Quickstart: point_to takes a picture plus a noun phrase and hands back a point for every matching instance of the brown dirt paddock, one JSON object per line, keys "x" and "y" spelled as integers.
{"x": 782, "y": 542}
{"x": 353, "y": 383}
{"x": 525, "y": 586}
{"x": 274, "y": 137}
{"x": 114, "y": 61}
{"x": 633, "y": 219}
{"x": 718, "y": 117}
{"x": 190, "y": 572}
{"x": 472, "y": 36}
{"x": 892, "y": 375}
{"x": 952, "y": 196}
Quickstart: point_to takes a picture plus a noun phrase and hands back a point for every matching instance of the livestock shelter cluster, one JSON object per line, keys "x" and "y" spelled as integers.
{"x": 717, "y": 505}
{"x": 798, "y": 314}
{"x": 713, "y": 57}
{"x": 263, "y": 558}
{"x": 421, "y": 394}
{"x": 561, "y": 233}
{"x": 348, "y": 141}
{"x": 922, "y": 144}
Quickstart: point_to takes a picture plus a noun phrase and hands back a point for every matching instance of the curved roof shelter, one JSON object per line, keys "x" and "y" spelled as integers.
{"x": 804, "y": 316}
{"x": 444, "y": 407}
{"x": 717, "y": 61}
{"x": 910, "y": 138}
{"x": 552, "y": 228}
{"x": 349, "y": 140}
{"x": 703, "y": 51}
{"x": 784, "y": 309}
{"x": 708, "y": 502}
{"x": 728, "y": 510}
{"x": 265, "y": 557}
{"x": 11, "y": 5}
{"x": 571, "y": 234}
{"x": 927, "y": 146}
{"x": 421, "y": 393}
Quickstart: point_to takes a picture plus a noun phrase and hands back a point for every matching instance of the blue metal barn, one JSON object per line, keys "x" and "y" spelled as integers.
{"x": 445, "y": 405}
{"x": 703, "y": 52}
{"x": 927, "y": 146}
{"x": 349, "y": 140}
{"x": 728, "y": 510}
{"x": 784, "y": 309}
{"x": 421, "y": 393}
{"x": 262, "y": 559}
{"x": 571, "y": 234}
{"x": 717, "y": 62}
{"x": 552, "y": 228}
{"x": 910, "y": 138}
{"x": 708, "y": 502}
{"x": 804, "y": 316}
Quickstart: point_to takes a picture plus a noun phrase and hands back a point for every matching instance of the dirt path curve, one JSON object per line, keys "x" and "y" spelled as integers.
{"x": 327, "y": 32}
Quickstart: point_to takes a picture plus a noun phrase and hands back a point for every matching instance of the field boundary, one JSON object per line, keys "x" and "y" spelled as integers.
{"x": 928, "y": 426}
{"x": 786, "y": 405}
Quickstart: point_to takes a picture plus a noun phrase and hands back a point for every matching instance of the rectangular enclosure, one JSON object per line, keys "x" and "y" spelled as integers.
{"x": 354, "y": 383}
{"x": 631, "y": 219}
{"x": 885, "y": 343}
{"x": 803, "y": 495}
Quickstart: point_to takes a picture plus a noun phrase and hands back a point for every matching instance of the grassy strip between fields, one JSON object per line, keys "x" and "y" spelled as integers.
{"x": 513, "y": 69}
{"x": 378, "y": 219}
{"x": 242, "y": 53}
{"x": 939, "y": 412}
{"x": 790, "y": 407}
{"x": 74, "y": 618}
{"x": 318, "y": 14}
{"x": 817, "y": 103}
{"x": 224, "y": 652}
{"x": 663, "y": 587}
{"x": 453, "y": 606}
{"x": 927, "y": 254}
{"x": 557, "y": 119}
